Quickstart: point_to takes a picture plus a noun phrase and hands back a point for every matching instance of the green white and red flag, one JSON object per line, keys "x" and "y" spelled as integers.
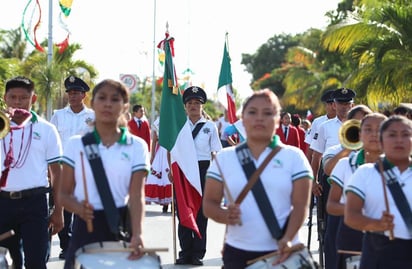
{"x": 176, "y": 136}
{"x": 225, "y": 84}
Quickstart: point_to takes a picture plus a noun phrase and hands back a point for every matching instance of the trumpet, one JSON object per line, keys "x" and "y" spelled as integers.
{"x": 349, "y": 134}
{"x": 4, "y": 124}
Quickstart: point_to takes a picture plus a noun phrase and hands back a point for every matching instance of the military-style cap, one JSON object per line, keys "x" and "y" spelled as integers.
{"x": 327, "y": 96}
{"x": 194, "y": 92}
{"x": 343, "y": 95}
{"x": 75, "y": 84}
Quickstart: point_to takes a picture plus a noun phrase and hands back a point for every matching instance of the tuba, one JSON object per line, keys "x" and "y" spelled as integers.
{"x": 349, "y": 134}
{"x": 4, "y": 124}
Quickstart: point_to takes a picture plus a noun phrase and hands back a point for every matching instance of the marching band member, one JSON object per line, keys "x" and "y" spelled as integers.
{"x": 372, "y": 199}
{"x": 326, "y": 137}
{"x": 76, "y": 118}
{"x": 349, "y": 240}
{"x": 125, "y": 159}
{"x": 206, "y": 142}
{"x": 30, "y": 150}
{"x": 289, "y": 189}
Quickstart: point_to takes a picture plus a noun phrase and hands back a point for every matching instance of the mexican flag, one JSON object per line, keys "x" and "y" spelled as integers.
{"x": 225, "y": 91}
{"x": 176, "y": 136}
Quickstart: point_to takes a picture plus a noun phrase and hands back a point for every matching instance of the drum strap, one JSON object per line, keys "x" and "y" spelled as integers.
{"x": 397, "y": 194}
{"x": 254, "y": 183}
{"x": 110, "y": 210}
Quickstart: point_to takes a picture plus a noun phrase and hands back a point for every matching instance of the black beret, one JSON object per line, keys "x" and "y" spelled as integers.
{"x": 194, "y": 92}
{"x": 343, "y": 95}
{"x": 327, "y": 96}
{"x": 76, "y": 84}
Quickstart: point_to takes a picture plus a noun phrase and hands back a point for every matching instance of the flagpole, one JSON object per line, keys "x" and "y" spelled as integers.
{"x": 49, "y": 60}
{"x": 152, "y": 114}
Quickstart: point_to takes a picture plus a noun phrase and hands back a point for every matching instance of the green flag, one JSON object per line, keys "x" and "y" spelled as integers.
{"x": 176, "y": 136}
{"x": 172, "y": 112}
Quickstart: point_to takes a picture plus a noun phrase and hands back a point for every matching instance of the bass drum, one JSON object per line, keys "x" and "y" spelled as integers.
{"x": 112, "y": 255}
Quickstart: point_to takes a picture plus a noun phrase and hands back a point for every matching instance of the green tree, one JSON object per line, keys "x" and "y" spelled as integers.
{"x": 269, "y": 56}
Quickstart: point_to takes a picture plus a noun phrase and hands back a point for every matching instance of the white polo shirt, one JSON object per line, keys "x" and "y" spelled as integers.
{"x": 39, "y": 145}
{"x": 366, "y": 183}
{"x": 288, "y": 165}
{"x": 121, "y": 160}
{"x": 314, "y": 128}
{"x": 327, "y": 136}
{"x": 207, "y": 140}
{"x": 343, "y": 171}
{"x": 69, "y": 123}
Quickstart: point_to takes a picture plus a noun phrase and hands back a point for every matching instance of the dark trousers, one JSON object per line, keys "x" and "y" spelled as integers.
{"x": 81, "y": 237}
{"x": 347, "y": 239}
{"x": 65, "y": 233}
{"x": 29, "y": 218}
{"x": 234, "y": 258}
{"x": 378, "y": 252}
{"x": 191, "y": 245}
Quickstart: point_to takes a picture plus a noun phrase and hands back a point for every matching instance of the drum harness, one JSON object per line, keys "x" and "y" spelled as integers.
{"x": 110, "y": 210}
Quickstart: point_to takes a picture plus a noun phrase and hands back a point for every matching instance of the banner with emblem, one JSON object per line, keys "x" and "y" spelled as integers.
{"x": 175, "y": 135}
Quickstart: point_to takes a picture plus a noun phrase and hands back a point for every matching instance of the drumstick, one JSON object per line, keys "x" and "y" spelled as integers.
{"x": 89, "y": 223}
{"x": 350, "y": 252}
{"x": 6, "y": 235}
{"x": 144, "y": 250}
{"x": 288, "y": 250}
{"x": 385, "y": 196}
{"x": 229, "y": 196}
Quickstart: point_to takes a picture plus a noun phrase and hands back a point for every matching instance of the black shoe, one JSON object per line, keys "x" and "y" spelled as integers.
{"x": 62, "y": 255}
{"x": 197, "y": 261}
{"x": 165, "y": 208}
{"x": 183, "y": 261}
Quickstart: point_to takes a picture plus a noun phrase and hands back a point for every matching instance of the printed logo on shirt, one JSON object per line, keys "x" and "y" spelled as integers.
{"x": 125, "y": 156}
{"x": 315, "y": 136}
{"x": 36, "y": 136}
{"x": 206, "y": 130}
{"x": 277, "y": 163}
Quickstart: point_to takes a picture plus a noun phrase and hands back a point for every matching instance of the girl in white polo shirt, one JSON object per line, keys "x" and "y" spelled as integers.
{"x": 287, "y": 180}
{"x": 126, "y": 162}
{"x": 365, "y": 207}
{"x": 348, "y": 240}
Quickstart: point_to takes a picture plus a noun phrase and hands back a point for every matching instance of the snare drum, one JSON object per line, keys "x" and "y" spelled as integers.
{"x": 298, "y": 259}
{"x": 353, "y": 262}
{"x": 112, "y": 255}
{"x": 3, "y": 259}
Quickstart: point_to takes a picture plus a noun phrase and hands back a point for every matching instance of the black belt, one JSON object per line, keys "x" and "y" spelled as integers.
{"x": 24, "y": 193}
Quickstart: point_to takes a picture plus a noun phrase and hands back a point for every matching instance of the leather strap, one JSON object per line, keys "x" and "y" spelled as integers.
{"x": 257, "y": 188}
{"x": 255, "y": 176}
{"x": 110, "y": 210}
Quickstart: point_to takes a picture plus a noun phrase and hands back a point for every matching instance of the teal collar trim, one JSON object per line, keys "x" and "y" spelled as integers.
{"x": 34, "y": 116}
{"x": 122, "y": 140}
{"x": 274, "y": 142}
{"x": 361, "y": 157}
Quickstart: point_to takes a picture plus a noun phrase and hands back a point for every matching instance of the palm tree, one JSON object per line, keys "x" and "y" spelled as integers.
{"x": 49, "y": 78}
{"x": 379, "y": 40}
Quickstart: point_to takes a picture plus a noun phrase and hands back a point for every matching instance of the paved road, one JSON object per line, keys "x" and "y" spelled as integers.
{"x": 158, "y": 234}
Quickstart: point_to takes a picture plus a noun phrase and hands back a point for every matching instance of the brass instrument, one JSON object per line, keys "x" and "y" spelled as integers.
{"x": 4, "y": 124}
{"x": 349, "y": 135}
